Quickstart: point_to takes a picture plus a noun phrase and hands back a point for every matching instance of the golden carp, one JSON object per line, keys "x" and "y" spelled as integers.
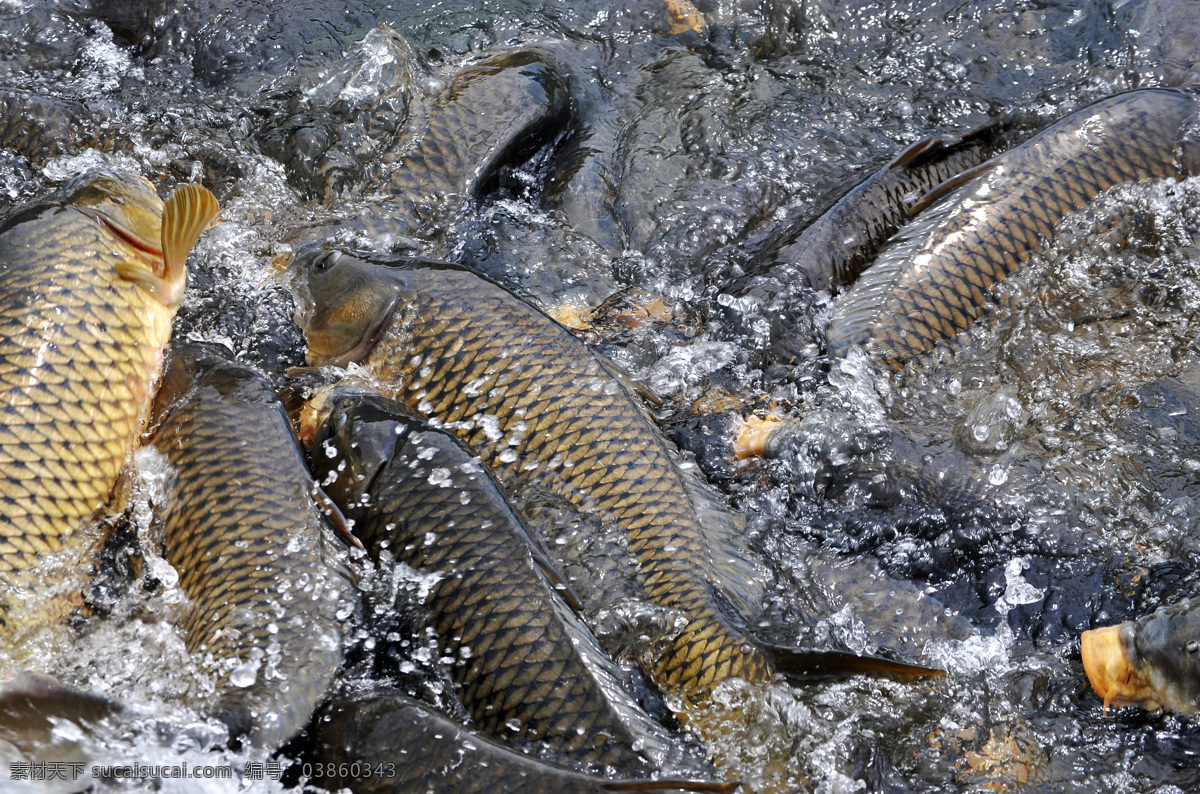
{"x": 934, "y": 277}
{"x": 253, "y": 552}
{"x": 89, "y": 282}
{"x": 547, "y": 415}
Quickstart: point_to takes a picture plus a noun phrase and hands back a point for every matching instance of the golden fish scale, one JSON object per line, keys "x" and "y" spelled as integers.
{"x": 243, "y": 534}
{"x": 1130, "y": 137}
{"x": 80, "y": 348}
{"x": 523, "y": 663}
{"x": 491, "y": 355}
{"x": 486, "y": 107}
{"x": 868, "y": 216}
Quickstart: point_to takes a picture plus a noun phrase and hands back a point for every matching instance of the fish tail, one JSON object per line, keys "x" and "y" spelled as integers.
{"x": 185, "y": 216}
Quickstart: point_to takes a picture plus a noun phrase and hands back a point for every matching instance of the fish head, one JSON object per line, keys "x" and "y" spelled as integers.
{"x": 343, "y": 303}
{"x": 1152, "y": 662}
{"x": 358, "y": 435}
{"x": 127, "y": 203}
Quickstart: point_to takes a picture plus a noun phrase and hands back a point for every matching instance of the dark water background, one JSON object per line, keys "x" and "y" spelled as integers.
{"x": 1041, "y": 483}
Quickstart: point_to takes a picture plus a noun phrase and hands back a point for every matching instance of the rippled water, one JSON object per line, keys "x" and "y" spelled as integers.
{"x": 1038, "y": 483}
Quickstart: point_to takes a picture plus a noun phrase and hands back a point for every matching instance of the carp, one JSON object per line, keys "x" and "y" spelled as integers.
{"x": 526, "y": 669}
{"x": 252, "y": 549}
{"x": 1152, "y": 662}
{"x": 91, "y": 278}
{"x": 384, "y": 741}
{"x": 493, "y": 112}
{"x": 547, "y": 415}
{"x": 833, "y": 250}
{"x": 934, "y": 277}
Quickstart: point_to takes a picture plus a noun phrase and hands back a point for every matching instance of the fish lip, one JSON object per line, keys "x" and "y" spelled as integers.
{"x": 128, "y": 235}
{"x": 359, "y": 351}
{"x": 1114, "y": 677}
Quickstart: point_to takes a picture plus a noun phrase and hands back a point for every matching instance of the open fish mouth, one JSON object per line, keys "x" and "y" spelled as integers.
{"x": 358, "y": 351}
{"x": 1110, "y": 672}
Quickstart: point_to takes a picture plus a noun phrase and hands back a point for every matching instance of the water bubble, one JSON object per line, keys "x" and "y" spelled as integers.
{"x": 998, "y": 475}
{"x": 246, "y": 674}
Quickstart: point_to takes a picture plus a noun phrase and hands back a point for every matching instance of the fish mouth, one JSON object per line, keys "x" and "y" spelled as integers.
{"x": 1110, "y": 672}
{"x": 357, "y": 352}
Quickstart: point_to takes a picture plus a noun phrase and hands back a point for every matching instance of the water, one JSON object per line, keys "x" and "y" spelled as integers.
{"x": 1037, "y": 484}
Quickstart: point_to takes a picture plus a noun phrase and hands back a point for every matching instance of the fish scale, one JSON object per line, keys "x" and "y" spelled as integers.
{"x": 496, "y": 106}
{"x": 832, "y": 250}
{"x": 249, "y": 544}
{"x": 586, "y": 439}
{"x": 525, "y": 669}
{"x": 931, "y": 281}
{"x": 393, "y": 744}
{"x": 81, "y": 347}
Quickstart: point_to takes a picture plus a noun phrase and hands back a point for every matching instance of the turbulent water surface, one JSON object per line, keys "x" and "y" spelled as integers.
{"x": 1038, "y": 483}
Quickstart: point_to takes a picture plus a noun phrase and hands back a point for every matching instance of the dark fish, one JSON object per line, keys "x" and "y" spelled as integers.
{"x": 252, "y": 550}
{"x": 525, "y": 668}
{"x": 835, "y": 248}
{"x": 933, "y": 279}
{"x": 547, "y": 415}
{"x": 1152, "y": 662}
{"x": 494, "y": 112}
{"x": 387, "y": 742}
{"x": 31, "y": 708}
{"x": 41, "y": 127}
{"x": 89, "y": 282}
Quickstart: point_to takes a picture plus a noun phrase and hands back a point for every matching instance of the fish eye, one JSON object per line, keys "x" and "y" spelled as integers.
{"x": 326, "y": 261}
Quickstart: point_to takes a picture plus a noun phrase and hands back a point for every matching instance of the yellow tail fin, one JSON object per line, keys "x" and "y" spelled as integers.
{"x": 186, "y": 215}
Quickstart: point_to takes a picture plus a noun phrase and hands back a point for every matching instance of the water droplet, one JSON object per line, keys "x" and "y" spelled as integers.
{"x": 246, "y": 674}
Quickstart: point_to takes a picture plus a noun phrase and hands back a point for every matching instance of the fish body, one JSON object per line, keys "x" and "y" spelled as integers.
{"x": 546, "y": 414}
{"x": 933, "y": 279}
{"x": 252, "y": 549}
{"x": 41, "y": 127}
{"x": 386, "y": 742}
{"x": 526, "y": 669}
{"x": 493, "y": 112}
{"x": 89, "y": 281}
{"x": 833, "y": 250}
{"x": 1152, "y": 662}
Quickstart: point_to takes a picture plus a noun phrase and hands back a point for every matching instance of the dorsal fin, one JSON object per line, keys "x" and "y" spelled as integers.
{"x": 947, "y": 186}
{"x": 917, "y": 153}
{"x": 185, "y": 215}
